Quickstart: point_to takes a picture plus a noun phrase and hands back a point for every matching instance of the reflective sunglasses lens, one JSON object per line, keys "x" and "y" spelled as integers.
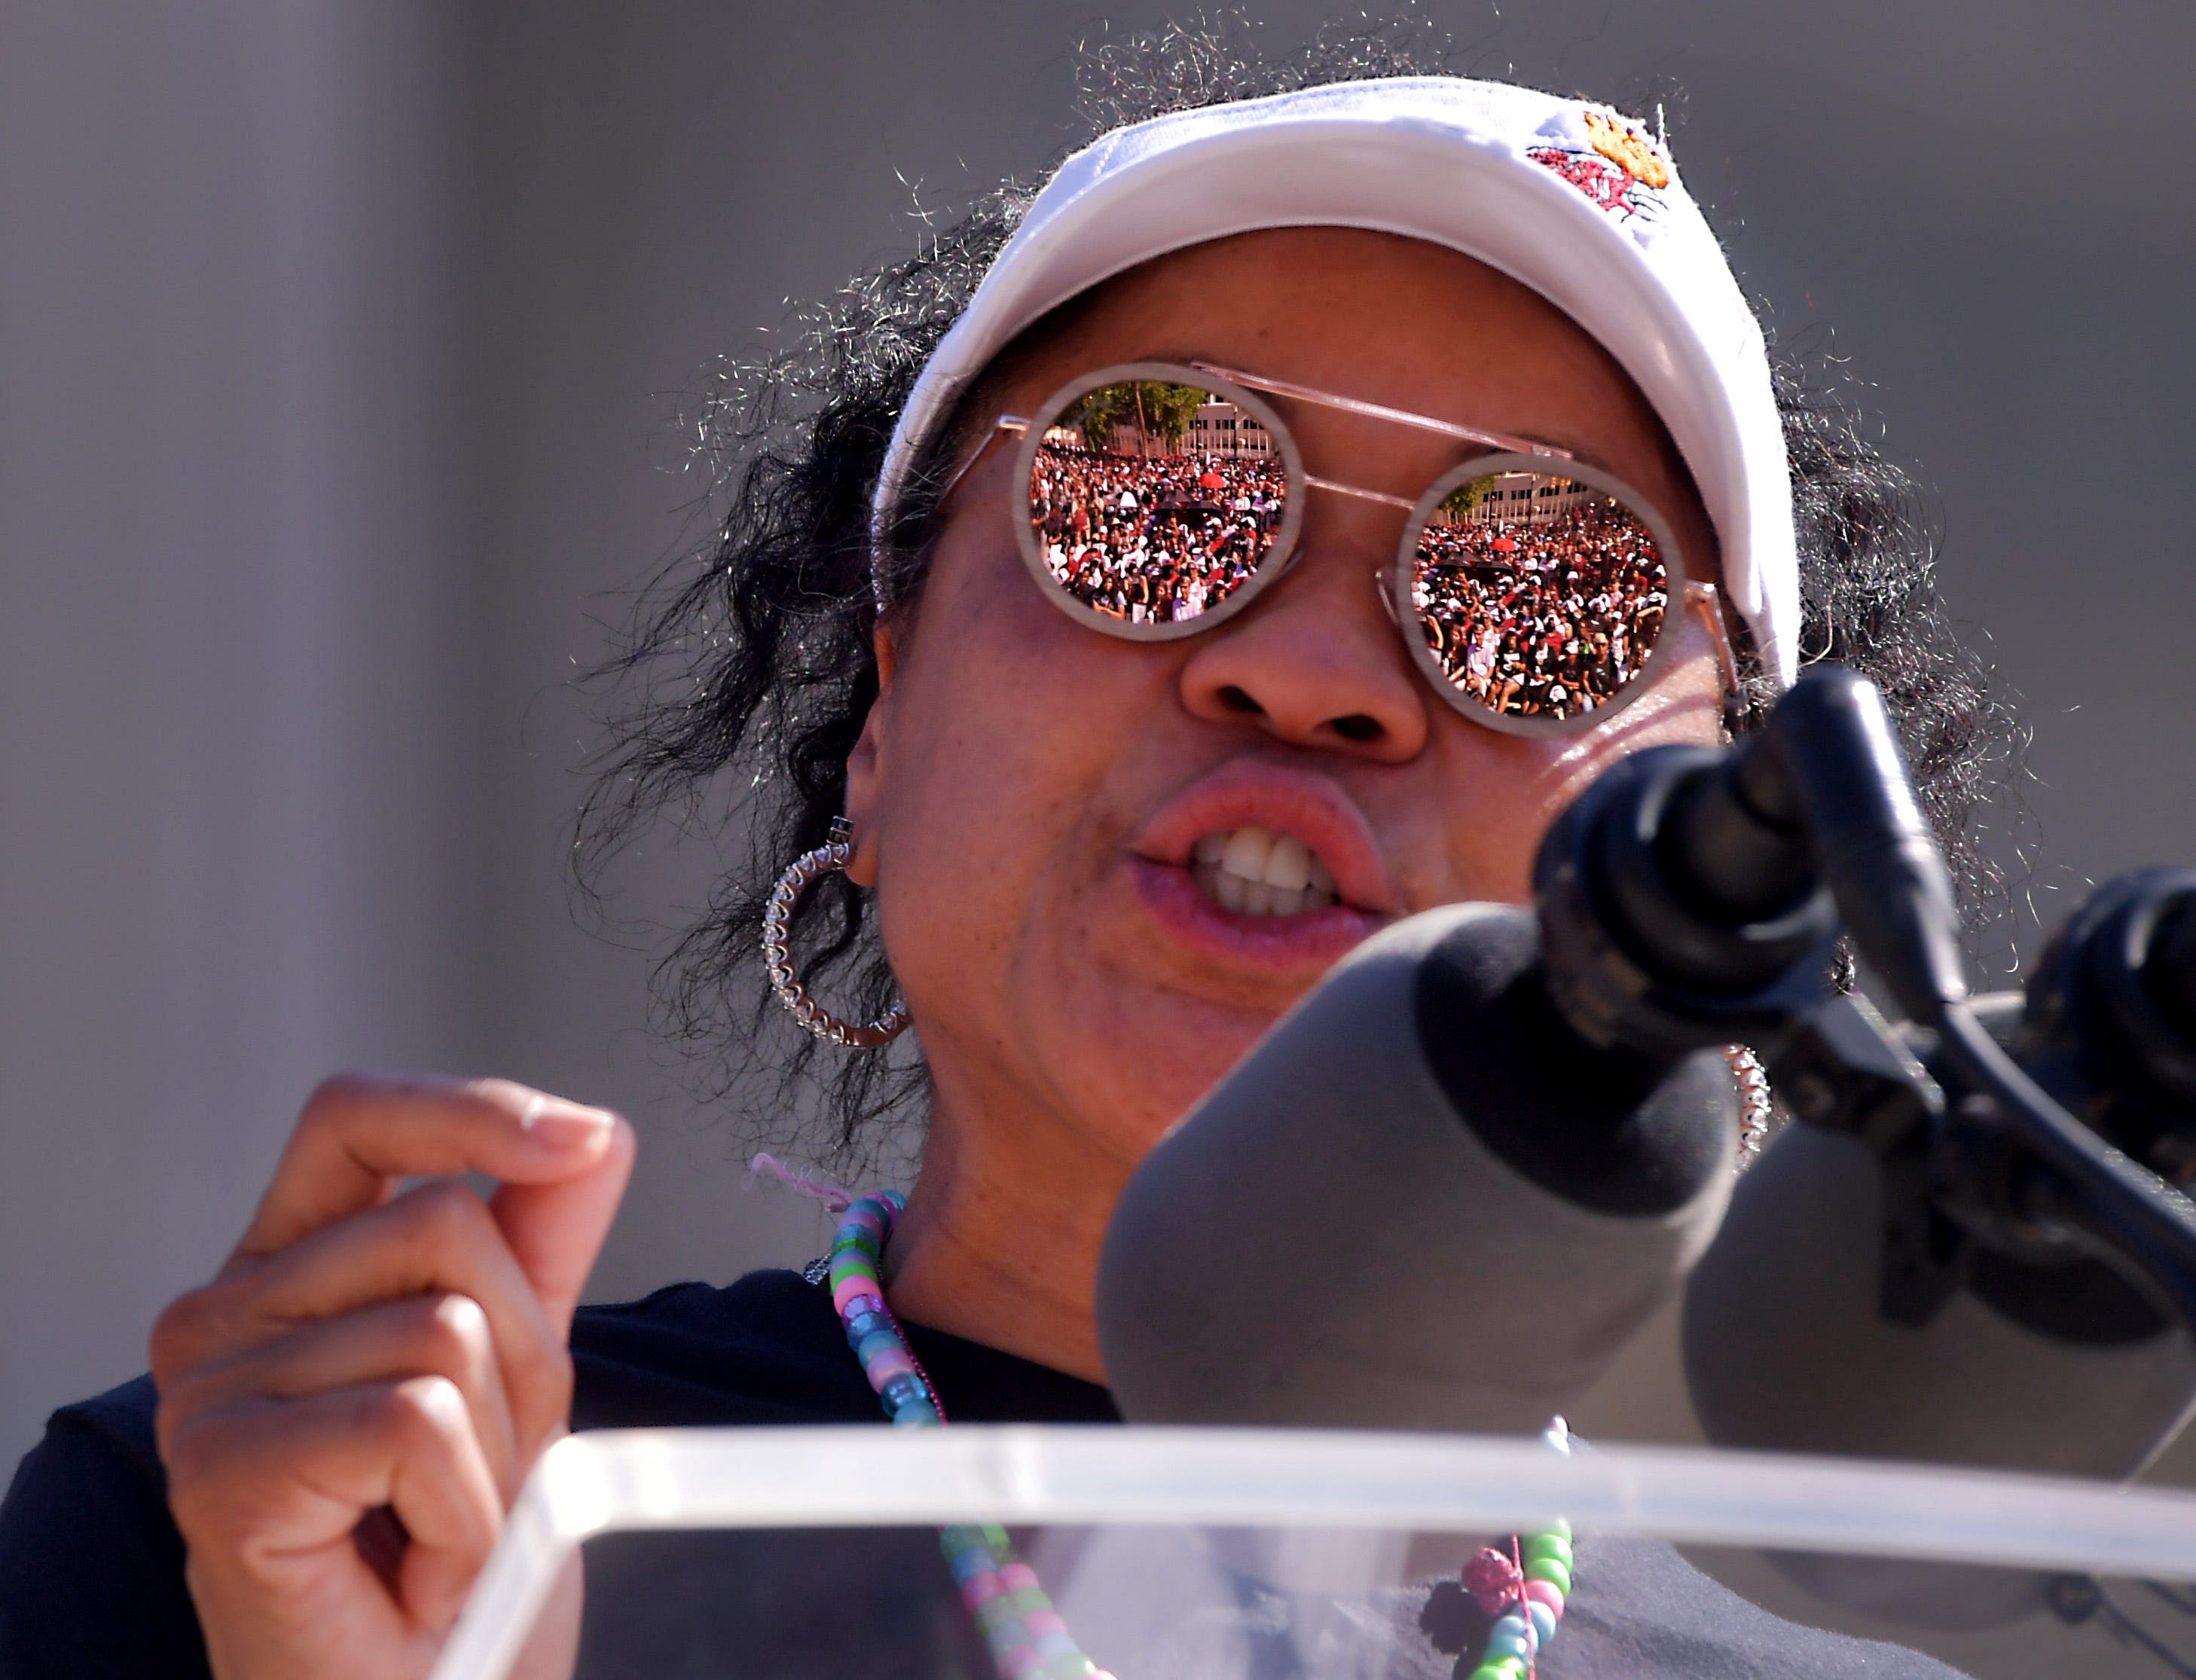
{"x": 1539, "y": 596}
{"x": 1152, "y": 503}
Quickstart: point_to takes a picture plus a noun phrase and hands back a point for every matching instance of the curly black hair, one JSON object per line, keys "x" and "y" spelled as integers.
{"x": 744, "y": 682}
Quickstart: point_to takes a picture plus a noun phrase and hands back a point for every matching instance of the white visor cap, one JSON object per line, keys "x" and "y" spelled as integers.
{"x": 1569, "y": 198}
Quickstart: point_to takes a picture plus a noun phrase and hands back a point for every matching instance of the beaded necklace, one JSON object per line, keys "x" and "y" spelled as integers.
{"x": 1523, "y": 1588}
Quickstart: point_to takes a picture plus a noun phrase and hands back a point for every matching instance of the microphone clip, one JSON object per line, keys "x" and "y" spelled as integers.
{"x": 1968, "y": 1201}
{"x": 1840, "y": 1067}
{"x": 1638, "y": 955}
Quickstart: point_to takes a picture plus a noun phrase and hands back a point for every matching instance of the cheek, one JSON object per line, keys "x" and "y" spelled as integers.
{"x": 1006, "y": 722}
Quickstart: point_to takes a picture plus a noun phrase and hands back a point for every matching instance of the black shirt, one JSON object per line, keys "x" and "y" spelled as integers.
{"x": 91, "y": 1579}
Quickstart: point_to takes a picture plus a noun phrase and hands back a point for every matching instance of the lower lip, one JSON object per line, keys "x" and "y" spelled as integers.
{"x": 1312, "y": 939}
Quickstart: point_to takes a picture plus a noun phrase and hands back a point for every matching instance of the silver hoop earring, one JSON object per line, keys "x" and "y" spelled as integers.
{"x": 777, "y": 953}
{"x": 1752, "y": 1081}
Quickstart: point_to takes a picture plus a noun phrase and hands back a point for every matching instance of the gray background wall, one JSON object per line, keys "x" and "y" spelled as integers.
{"x": 335, "y": 342}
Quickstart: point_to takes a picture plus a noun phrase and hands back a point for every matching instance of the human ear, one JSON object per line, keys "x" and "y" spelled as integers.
{"x": 865, "y": 767}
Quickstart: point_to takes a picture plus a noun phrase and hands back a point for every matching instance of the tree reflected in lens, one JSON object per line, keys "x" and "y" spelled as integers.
{"x": 1539, "y": 596}
{"x": 1152, "y": 503}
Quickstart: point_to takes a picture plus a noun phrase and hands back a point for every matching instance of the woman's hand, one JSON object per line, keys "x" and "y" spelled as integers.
{"x": 348, "y": 1410}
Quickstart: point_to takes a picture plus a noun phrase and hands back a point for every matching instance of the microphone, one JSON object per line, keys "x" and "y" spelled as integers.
{"x": 2043, "y": 1356}
{"x": 1446, "y": 1187}
{"x": 1910, "y": 1290}
{"x": 2110, "y": 1028}
{"x": 1691, "y": 896}
{"x": 1423, "y": 1201}
{"x": 2038, "y": 1366}
{"x": 2047, "y": 1355}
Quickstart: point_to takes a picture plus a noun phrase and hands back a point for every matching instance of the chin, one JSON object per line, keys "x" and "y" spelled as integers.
{"x": 1167, "y": 1061}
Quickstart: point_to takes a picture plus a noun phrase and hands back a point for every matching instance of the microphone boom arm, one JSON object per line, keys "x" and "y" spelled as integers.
{"x": 2011, "y": 1162}
{"x": 1691, "y": 896}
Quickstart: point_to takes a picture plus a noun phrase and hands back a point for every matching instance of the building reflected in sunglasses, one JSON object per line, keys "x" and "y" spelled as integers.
{"x": 1538, "y": 595}
{"x": 1154, "y": 502}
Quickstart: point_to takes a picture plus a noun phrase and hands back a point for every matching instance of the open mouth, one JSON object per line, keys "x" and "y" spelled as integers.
{"x": 1257, "y": 871}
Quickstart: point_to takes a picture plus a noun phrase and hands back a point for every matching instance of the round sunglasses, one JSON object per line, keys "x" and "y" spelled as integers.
{"x": 1153, "y": 500}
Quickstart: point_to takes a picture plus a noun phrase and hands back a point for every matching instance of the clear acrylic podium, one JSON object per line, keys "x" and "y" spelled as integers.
{"x": 1130, "y": 1526}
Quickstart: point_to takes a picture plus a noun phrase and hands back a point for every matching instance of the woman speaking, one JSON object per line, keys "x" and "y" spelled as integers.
{"x": 1129, "y": 604}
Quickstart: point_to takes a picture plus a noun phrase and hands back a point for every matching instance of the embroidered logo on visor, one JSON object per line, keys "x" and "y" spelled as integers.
{"x": 1630, "y": 150}
{"x": 1612, "y": 163}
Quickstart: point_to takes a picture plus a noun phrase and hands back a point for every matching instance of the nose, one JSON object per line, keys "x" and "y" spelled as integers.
{"x": 1314, "y": 661}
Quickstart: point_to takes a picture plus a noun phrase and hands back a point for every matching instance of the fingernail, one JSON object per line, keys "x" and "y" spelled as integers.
{"x": 566, "y": 1127}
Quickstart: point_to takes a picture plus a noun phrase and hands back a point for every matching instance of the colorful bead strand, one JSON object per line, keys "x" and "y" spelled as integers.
{"x": 1028, "y": 1639}
{"x": 1524, "y": 1591}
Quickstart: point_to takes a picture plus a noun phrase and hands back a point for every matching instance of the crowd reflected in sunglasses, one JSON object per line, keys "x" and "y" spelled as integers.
{"x": 1539, "y": 596}
{"x": 1154, "y": 539}
{"x": 1549, "y": 611}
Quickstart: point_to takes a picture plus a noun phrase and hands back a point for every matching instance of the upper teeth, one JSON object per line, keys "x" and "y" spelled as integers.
{"x": 1259, "y": 873}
